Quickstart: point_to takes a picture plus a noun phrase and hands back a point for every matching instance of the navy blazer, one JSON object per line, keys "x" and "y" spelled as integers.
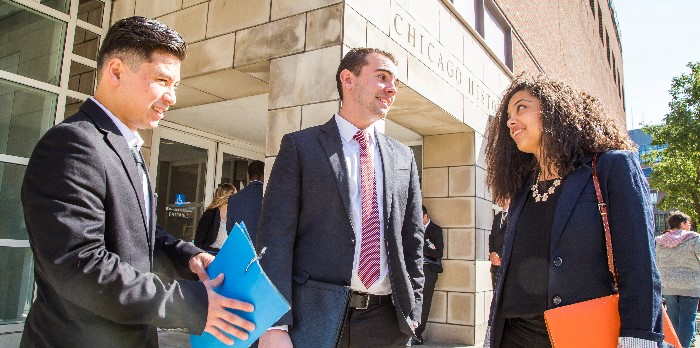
{"x": 207, "y": 228}
{"x": 578, "y": 270}
{"x": 245, "y": 206}
{"x": 306, "y": 219}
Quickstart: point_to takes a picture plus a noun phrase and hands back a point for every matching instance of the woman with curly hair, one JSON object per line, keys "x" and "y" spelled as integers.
{"x": 539, "y": 153}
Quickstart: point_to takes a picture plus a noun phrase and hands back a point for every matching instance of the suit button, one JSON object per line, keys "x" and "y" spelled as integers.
{"x": 558, "y": 261}
{"x": 351, "y": 242}
{"x": 556, "y": 300}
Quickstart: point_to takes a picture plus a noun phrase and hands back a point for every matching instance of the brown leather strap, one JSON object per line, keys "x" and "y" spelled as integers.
{"x": 603, "y": 208}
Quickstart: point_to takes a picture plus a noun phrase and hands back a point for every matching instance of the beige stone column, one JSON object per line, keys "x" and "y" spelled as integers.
{"x": 450, "y": 175}
{"x": 303, "y": 91}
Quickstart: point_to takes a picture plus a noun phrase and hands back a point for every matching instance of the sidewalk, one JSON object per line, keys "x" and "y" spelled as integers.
{"x": 173, "y": 339}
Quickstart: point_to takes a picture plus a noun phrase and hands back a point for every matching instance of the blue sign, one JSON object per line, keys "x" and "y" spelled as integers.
{"x": 179, "y": 199}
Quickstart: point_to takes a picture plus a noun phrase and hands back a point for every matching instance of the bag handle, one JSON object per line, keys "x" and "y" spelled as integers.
{"x": 603, "y": 208}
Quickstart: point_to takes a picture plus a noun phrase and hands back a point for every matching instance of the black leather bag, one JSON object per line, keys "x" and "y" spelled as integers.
{"x": 319, "y": 311}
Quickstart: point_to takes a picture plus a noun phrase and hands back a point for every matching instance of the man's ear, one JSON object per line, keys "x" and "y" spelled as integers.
{"x": 347, "y": 78}
{"x": 113, "y": 71}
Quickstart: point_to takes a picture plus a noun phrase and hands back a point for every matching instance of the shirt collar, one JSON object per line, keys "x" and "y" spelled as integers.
{"x": 348, "y": 130}
{"x": 133, "y": 139}
{"x": 426, "y": 225}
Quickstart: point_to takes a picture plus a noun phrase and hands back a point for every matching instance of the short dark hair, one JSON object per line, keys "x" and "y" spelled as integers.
{"x": 355, "y": 60}
{"x": 676, "y": 219}
{"x": 256, "y": 169}
{"x": 135, "y": 39}
{"x": 425, "y": 210}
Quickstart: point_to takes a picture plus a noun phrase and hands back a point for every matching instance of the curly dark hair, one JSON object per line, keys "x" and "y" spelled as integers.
{"x": 574, "y": 124}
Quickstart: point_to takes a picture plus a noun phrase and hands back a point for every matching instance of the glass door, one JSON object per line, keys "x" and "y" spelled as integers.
{"x": 182, "y": 166}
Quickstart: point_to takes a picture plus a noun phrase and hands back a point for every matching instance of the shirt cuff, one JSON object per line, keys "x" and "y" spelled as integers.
{"x": 634, "y": 342}
{"x": 280, "y": 327}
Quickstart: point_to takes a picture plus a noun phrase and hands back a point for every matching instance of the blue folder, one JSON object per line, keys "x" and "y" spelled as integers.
{"x": 244, "y": 280}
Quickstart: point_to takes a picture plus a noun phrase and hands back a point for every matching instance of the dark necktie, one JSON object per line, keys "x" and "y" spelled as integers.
{"x": 370, "y": 247}
{"x": 143, "y": 173}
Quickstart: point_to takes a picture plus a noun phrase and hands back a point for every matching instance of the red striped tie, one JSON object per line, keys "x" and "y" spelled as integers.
{"x": 370, "y": 245}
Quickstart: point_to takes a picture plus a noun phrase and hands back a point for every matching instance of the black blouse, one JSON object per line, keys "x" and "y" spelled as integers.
{"x": 527, "y": 276}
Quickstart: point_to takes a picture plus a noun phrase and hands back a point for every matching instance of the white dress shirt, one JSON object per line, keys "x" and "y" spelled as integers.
{"x": 351, "y": 152}
{"x": 134, "y": 140}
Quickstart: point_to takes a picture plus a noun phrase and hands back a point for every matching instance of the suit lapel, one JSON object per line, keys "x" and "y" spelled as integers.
{"x": 332, "y": 145}
{"x": 387, "y": 153}
{"x": 117, "y": 142}
{"x": 571, "y": 190}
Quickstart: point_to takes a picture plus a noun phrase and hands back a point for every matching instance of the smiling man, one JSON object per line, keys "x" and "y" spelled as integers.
{"x": 90, "y": 213}
{"x": 343, "y": 207}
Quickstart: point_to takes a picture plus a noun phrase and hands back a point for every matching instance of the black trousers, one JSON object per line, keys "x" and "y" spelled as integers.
{"x": 494, "y": 275}
{"x": 428, "y": 290}
{"x": 376, "y": 326}
{"x": 528, "y": 332}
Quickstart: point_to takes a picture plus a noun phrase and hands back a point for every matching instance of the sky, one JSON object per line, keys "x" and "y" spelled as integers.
{"x": 659, "y": 38}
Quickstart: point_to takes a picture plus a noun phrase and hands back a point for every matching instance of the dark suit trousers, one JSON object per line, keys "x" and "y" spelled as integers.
{"x": 428, "y": 290}
{"x": 375, "y": 326}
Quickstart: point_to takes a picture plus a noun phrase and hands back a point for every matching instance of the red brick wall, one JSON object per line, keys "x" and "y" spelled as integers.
{"x": 562, "y": 36}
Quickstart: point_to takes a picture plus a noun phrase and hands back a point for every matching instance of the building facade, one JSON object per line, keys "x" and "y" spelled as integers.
{"x": 259, "y": 69}
{"x": 643, "y": 142}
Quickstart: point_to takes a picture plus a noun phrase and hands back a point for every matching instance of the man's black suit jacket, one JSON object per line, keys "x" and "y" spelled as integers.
{"x": 245, "y": 206}
{"x": 306, "y": 220}
{"x": 85, "y": 214}
{"x": 433, "y": 233}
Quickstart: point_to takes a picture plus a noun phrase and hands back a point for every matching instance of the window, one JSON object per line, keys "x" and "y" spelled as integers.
{"x": 467, "y": 9}
{"x": 31, "y": 45}
{"x": 494, "y": 34}
{"x": 35, "y": 48}
{"x": 485, "y": 18}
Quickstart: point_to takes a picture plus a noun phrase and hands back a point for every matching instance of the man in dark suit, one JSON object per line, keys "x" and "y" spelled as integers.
{"x": 433, "y": 248}
{"x": 496, "y": 238}
{"x": 90, "y": 213}
{"x": 343, "y": 206}
{"x": 246, "y": 204}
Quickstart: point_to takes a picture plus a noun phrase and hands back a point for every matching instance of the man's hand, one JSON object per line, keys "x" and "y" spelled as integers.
{"x": 220, "y": 320}
{"x": 275, "y": 338}
{"x": 199, "y": 263}
{"x": 495, "y": 259}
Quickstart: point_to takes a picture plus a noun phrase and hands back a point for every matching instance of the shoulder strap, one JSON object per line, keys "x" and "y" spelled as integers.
{"x": 603, "y": 208}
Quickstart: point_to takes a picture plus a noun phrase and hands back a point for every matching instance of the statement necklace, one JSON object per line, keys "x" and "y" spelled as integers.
{"x": 542, "y": 197}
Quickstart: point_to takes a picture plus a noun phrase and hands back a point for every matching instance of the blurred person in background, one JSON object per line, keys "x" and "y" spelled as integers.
{"x": 211, "y": 229}
{"x": 678, "y": 255}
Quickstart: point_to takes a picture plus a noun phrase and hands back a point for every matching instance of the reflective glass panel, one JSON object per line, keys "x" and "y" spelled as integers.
{"x": 495, "y": 34}
{"x": 16, "y": 279}
{"x": 91, "y": 11}
{"x": 86, "y": 43}
{"x": 182, "y": 172}
{"x": 12, "y": 217}
{"x": 31, "y": 44}
{"x": 72, "y": 106}
{"x": 25, "y": 115}
{"x": 82, "y": 78}
{"x": 60, "y": 5}
{"x": 16, "y": 284}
